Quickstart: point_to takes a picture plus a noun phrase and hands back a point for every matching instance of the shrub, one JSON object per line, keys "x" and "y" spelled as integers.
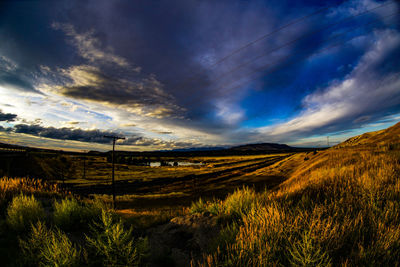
{"x": 70, "y": 214}
{"x": 67, "y": 213}
{"x": 59, "y": 251}
{"x": 45, "y": 247}
{"x": 32, "y": 247}
{"x": 94, "y": 209}
{"x": 111, "y": 245}
{"x": 23, "y": 211}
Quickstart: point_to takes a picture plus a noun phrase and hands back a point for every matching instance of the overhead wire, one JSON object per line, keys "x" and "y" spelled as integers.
{"x": 263, "y": 68}
{"x": 293, "y": 41}
{"x": 263, "y": 37}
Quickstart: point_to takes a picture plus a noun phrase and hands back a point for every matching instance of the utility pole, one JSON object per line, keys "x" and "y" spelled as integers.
{"x": 327, "y": 140}
{"x": 114, "y": 138}
{"x": 84, "y": 168}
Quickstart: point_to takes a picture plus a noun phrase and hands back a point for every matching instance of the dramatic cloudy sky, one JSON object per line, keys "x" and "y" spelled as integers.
{"x": 192, "y": 73}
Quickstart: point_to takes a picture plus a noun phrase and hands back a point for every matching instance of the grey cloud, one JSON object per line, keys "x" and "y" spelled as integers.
{"x": 161, "y": 144}
{"x": 144, "y": 96}
{"x": 7, "y": 116}
{"x": 94, "y": 136}
{"x": 110, "y": 79}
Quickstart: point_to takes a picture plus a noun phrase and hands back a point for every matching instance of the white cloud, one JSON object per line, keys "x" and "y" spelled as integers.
{"x": 89, "y": 46}
{"x": 363, "y": 93}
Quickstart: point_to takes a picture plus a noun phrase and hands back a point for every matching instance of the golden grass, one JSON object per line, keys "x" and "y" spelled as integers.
{"x": 26, "y": 185}
{"x": 340, "y": 207}
{"x": 9, "y": 187}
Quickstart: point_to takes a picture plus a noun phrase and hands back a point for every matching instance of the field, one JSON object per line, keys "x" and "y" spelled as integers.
{"x": 336, "y": 207}
{"x": 169, "y": 186}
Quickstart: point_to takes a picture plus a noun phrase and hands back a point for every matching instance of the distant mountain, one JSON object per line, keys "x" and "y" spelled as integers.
{"x": 190, "y": 149}
{"x": 263, "y": 147}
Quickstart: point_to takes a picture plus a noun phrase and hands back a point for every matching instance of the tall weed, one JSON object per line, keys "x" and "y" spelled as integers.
{"x": 46, "y": 247}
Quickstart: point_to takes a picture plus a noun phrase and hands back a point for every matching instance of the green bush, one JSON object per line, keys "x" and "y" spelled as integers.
{"x": 59, "y": 251}
{"x": 67, "y": 213}
{"x": 32, "y": 247}
{"x": 111, "y": 245}
{"x": 94, "y": 210}
{"x": 45, "y": 247}
{"x": 23, "y": 211}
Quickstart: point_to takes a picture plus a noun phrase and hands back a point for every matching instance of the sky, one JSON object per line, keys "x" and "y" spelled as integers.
{"x": 196, "y": 73}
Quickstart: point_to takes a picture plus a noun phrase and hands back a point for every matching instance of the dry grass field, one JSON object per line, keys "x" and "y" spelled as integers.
{"x": 341, "y": 207}
{"x": 173, "y": 187}
{"x": 337, "y": 207}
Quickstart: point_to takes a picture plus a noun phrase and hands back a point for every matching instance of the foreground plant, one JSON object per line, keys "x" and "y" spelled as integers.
{"x": 111, "y": 245}
{"x": 23, "y": 211}
{"x": 67, "y": 213}
{"x": 46, "y": 247}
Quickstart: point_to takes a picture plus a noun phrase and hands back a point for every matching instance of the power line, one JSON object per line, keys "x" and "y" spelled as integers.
{"x": 286, "y": 57}
{"x": 263, "y": 68}
{"x": 266, "y": 66}
{"x": 318, "y": 51}
{"x": 263, "y": 37}
{"x": 282, "y": 46}
{"x": 294, "y": 41}
{"x": 270, "y": 34}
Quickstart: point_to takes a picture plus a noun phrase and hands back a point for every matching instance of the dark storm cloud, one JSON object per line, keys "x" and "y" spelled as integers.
{"x": 179, "y": 41}
{"x": 94, "y": 136}
{"x": 7, "y": 116}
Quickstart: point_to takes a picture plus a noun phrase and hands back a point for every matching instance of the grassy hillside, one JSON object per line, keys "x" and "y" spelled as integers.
{"x": 338, "y": 207}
